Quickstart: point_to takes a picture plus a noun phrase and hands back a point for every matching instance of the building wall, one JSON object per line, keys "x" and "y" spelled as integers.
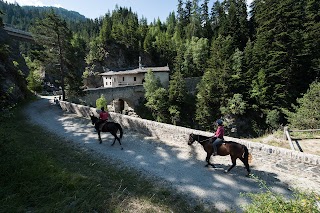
{"x": 133, "y": 79}
{"x": 130, "y": 94}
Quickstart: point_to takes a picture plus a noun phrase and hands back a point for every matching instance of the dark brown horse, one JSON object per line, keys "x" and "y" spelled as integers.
{"x": 235, "y": 150}
{"x": 111, "y": 127}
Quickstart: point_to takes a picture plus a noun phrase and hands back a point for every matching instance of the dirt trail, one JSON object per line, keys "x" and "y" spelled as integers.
{"x": 177, "y": 167}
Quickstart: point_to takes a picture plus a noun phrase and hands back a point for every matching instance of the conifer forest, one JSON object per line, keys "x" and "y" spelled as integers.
{"x": 258, "y": 65}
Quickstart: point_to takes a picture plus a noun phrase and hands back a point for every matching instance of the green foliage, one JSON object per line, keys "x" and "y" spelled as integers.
{"x": 270, "y": 59}
{"x": 151, "y": 84}
{"x": 177, "y": 88}
{"x": 235, "y": 105}
{"x": 34, "y": 79}
{"x": 101, "y": 102}
{"x": 158, "y": 104}
{"x": 156, "y": 96}
{"x": 214, "y": 88}
{"x": 177, "y": 96}
{"x": 272, "y": 202}
{"x": 307, "y": 114}
{"x": 63, "y": 52}
{"x": 273, "y": 119}
{"x": 175, "y": 114}
{"x": 96, "y": 53}
{"x": 207, "y": 101}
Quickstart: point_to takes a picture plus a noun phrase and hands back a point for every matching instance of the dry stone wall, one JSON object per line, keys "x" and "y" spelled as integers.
{"x": 167, "y": 132}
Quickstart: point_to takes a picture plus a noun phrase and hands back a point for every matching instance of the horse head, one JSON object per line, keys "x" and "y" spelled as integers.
{"x": 191, "y": 139}
{"x": 93, "y": 118}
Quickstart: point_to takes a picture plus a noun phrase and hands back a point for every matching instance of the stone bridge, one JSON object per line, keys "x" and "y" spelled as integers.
{"x": 18, "y": 34}
{"x": 117, "y": 96}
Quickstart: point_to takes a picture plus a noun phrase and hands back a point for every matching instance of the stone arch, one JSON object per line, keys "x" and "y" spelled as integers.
{"x": 131, "y": 95}
{"x": 122, "y": 105}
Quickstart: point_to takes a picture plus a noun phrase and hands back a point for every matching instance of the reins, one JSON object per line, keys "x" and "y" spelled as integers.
{"x": 199, "y": 139}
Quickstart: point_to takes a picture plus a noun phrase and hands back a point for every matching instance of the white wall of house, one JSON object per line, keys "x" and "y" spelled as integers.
{"x": 130, "y": 79}
{"x": 133, "y": 79}
{"x": 122, "y": 80}
{"x": 109, "y": 81}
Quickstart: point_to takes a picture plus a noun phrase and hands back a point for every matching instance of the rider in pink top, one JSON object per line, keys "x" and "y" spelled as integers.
{"x": 103, "y": 115}
{"x": 103, "y": 118}
{"x": 220, "y": 132}
{"x": 218, "y": 136}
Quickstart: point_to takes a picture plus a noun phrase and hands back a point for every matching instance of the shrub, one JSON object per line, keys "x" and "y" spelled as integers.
{"x": 101, "y": 102}
{"x": 273, "y": 118}
{"x": 307, "y": 113}
{"x": 272, "y": 202}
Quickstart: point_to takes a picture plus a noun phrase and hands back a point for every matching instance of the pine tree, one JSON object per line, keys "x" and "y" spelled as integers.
{"x": 214, "y": 88}
{"x": 278, "y": 50}
{"x": 218, "y": 19}
{"x": 55, "y": 36}
{"x": 205, "y": 20}
{"x": 193, "y": 29}
{"x": 306, "y": 114}
{"x": 177, "y": 96}
{"x": 312, "y": 35}
{"x": 156, "y": 96}
{"x": 180, "y": 20}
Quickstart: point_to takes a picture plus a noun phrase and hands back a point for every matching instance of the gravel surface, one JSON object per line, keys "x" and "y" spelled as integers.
{"x": 179, "y": 167}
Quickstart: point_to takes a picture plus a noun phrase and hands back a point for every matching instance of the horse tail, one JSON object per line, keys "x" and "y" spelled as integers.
{"x": 247, "y": 156}
{"x": 120, "y": 128}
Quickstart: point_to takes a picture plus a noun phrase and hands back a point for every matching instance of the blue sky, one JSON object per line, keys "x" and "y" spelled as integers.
{"x": 150, "y": 9}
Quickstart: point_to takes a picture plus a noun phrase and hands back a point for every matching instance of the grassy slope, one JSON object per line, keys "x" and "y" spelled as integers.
{"x": 42, "y": 173}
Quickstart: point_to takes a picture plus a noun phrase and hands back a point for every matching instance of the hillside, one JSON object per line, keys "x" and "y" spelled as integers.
{"x": 13, "y": 72}
{"x": 22, "y": 17}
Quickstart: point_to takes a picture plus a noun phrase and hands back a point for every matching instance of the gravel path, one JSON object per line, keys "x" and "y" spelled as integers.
{"x": 180, "y": 167}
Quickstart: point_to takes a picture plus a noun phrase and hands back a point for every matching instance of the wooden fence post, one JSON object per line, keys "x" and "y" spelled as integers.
{"x": 286, "y": 131}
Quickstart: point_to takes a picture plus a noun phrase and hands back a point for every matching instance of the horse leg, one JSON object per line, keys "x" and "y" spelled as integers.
{"x": 246, "y": 164}
{"x": 99, "y": 136}
{"x": 119, "y": 142}
{"x": 113, "y": 141}
{"x": 208, "y": 160}
{"x": 233, "y": 159}
{"x": 116, "y": 138}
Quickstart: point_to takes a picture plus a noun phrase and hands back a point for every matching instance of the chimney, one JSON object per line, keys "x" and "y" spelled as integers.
{"x": 140, "y": 65}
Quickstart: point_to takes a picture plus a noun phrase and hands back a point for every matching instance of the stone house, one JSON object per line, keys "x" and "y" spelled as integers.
{"x": 133, "y": 77}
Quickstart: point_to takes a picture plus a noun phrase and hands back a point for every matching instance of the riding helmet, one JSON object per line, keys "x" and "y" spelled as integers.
{"x": 219, "y": 122}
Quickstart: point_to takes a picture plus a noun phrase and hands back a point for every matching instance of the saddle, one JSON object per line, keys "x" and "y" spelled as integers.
{"x": 102, "y": 125}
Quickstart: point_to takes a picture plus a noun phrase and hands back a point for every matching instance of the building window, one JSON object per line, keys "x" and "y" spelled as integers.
{"x": 134, "y": 78}
{"x": 122, "y": 78}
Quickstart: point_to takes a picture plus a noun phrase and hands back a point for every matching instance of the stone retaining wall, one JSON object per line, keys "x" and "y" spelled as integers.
{"x": 167, "y": 132}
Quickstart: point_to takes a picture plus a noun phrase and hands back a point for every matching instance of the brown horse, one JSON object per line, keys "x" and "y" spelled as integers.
{"x": 235, "y": 150}
{"x": 111, "y": 127}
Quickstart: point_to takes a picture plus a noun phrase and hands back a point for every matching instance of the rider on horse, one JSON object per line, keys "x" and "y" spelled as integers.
{"x": 103, "y": 118}
{"x": 217, "y": 138}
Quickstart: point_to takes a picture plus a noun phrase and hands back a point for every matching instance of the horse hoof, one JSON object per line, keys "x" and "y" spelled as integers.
{"x": 100, "y": 142}
{"x": 206, "y": 165}
{"x": 121, "y": 148}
